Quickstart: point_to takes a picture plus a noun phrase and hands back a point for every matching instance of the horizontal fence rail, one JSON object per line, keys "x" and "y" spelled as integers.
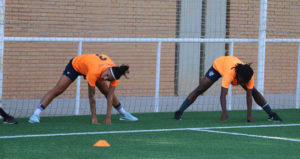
{"x": 141, "y": 40}
{"x": 159, "y": 42}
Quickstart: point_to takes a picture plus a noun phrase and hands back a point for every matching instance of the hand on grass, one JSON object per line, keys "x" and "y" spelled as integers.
{"x": 107, "y": 121}
{"x": 95, "y": 121}
{"x": 224, "y": 117}
{"x": 250, "y": 120}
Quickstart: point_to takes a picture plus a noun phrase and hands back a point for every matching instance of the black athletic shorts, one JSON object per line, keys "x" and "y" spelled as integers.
{"x": 213, "y": 74}
{"x": 70, "y": 71}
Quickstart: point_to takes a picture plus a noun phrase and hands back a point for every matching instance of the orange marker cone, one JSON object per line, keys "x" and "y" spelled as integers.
{"x": 102, "y": 143}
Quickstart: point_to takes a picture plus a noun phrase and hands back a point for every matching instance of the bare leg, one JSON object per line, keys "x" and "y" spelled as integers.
{"x": 62, "y": 84}
{"x": 103, "y": 88}
{"x": 205, "y": 83}
{"x": 258, "y": 97}
{"x": 261, "y": 101}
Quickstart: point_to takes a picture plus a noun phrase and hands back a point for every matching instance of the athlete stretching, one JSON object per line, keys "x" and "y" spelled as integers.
{"x": 233, "y": 71}
{"x": 97, "y": 69}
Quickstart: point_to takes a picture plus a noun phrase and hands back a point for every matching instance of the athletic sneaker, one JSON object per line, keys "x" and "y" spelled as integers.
{"x": 274, "y": 117}
{"x": 129, "y": 117}
{"x": 10, "y": 120}
{"x": 177, "y": 115}
{"x": 34, "y": 119}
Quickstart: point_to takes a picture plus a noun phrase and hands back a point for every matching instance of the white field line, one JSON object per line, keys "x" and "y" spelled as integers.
{"x": 90, "y": 133}
{"x": 249, "y": 135}
{"x": 139, "y": 131}
{"x": 248, "y": 126}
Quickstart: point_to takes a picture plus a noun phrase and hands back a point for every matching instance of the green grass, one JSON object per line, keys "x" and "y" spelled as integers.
{"x": 181, "y": 144}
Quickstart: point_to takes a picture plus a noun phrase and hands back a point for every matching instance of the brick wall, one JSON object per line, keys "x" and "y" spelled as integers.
{"x": 281, "y": 59}
{"x": 32, "y": 68}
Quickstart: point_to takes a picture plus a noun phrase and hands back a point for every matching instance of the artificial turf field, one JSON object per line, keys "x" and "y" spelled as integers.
{"x": 155, "y": 136}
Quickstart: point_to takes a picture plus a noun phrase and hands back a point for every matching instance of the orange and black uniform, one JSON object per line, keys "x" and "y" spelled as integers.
{"x": 224, "y": 66}
{"x": 91, "y": 66}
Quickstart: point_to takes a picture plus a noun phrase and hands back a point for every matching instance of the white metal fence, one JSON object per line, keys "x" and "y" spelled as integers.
{"x": 159, "y": 98}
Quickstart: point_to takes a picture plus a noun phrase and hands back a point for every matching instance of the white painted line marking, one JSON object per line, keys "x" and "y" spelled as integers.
{"x": 139, "y": 131}
{"x": 249, "y": 135}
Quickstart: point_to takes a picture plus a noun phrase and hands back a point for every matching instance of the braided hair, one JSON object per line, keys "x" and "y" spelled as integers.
{"x": 244, "y": 71}
{"x": 118, "y": 71}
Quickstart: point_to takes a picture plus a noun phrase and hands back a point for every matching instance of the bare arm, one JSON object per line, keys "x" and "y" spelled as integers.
{"x": 109, "y": 99}
{"x": 224, "y": 115}
{"x": 92, "y": 101}
{"x": 249, "y": 104}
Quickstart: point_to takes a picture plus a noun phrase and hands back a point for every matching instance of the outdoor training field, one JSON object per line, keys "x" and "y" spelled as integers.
{"x": 155, "y": 136}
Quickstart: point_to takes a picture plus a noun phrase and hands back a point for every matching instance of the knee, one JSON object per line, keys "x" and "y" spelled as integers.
{"x": 199, "y": 90}
{"x": 196, "y": 93}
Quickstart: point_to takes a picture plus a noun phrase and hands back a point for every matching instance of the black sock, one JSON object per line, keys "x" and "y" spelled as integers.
{"x": 117, "y": 106}
{"x": 3, "y": 113}
{"x": 267, "y": 109}
{"x": 41, "y": 106}
{"x": 185, "y": 105}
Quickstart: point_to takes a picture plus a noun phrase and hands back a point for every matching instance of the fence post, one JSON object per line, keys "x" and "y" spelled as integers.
{"x": 157, "y": 76}
{"x": 2, "y": 22}
{"x": 77, "y": 104}
{"x": 229, "y": 99}
{"x": 298, "y": 80}
{"x": 262, "y": 46}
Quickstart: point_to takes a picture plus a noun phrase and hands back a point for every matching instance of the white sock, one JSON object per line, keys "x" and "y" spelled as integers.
{"x": 38, "y": 110}
{"x": 121, "y": 110}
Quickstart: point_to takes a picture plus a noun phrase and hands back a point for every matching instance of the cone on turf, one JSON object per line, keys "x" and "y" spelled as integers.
{"x": 102, "y": 143}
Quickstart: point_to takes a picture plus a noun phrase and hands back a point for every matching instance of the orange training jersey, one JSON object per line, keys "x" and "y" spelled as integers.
{"x": 92, "y": 66}
{"x": 224, "y": 65}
